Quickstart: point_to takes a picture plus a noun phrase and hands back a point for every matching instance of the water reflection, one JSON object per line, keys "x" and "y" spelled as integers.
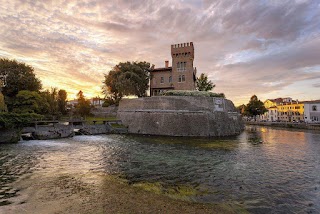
{"x": 265, "y": 169}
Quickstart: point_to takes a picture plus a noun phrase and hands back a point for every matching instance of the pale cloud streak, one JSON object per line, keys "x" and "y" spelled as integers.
{"x": 246, "y": 47}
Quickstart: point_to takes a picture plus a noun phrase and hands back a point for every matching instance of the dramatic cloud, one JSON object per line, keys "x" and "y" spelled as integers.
{"x": 246, "y": 47}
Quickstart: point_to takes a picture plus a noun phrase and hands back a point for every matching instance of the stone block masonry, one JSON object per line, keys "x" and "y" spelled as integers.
{"x": 180, "y": 116}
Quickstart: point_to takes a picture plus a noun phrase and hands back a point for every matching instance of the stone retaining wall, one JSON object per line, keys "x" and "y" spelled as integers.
{"x": 180, "y": 116}
{"x": 287, "y": 125}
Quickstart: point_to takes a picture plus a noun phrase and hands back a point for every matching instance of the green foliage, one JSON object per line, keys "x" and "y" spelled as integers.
{"x": 62, "y": 101}
{"x": 128, "y": 78}
{"x": 20, "y": 77}
{"x": 3, "y": 106}
{"x": 110, "y": 101}
{"x": 29, "y": 102}
{"x": 203, "y": 84}
{"x": 254, "y": 107}
{"x": 45, "y": 103}
{"x": 83, "y": 107}
{"x": 192, "y": 93}
{"x": 50, "y": 102}
{"x": 13, "y": 120}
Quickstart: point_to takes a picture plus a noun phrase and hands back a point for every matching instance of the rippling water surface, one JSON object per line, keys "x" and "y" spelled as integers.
{"x": 266, "y": 170}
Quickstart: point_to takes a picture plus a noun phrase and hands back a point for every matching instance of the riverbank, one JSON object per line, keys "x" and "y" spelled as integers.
{"x": 286, "y": 125}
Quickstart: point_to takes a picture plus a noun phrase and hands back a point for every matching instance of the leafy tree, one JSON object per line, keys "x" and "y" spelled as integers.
{"x": 62, "y": 101}
{"x": 50, "y": 97}
{"x": 3, "y": 106}
{"x": 128, "y": 78}
{"x": 203, "y": 84}
{"x": 241, "y": 108}
{"x": 20, "y": 77}
{"x": 83, "y": 107}
{"x": 254, "y": 107}
{"x": 29, "y": 102}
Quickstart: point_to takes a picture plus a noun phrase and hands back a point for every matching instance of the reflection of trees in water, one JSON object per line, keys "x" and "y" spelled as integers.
{"x": 254, "y": 134}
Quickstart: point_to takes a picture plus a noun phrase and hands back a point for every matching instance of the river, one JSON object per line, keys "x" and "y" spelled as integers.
{"x": 264, "y": 170}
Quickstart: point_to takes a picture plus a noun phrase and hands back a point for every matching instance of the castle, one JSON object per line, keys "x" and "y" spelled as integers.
{"x": 182, "y": 74}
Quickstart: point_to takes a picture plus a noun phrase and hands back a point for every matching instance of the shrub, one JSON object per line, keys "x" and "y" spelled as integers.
{"x": 192, "y": 93}
{"x": 13, "y": 120}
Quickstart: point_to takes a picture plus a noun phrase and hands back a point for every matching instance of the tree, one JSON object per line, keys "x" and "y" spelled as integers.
{"x": 29, "y": 102}
{"x": 50, "y": 97}
{"x": 20, "y": 77}
{"x": 203, "y": 84}
{"x": 62, "y": 101}
{"x": 254, "y": 107}
{"x": 83, "y": 107}
{"x": 3, "y": 107}
{"x": 128, "y": 78}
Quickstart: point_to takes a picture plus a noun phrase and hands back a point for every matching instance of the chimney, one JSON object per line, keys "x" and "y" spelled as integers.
{"x": 166, "y": 63}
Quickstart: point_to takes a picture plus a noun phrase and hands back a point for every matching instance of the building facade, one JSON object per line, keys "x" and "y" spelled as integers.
{"x": 312, "y": 111}
{"x": 291, "y": 112}
{"x": 180, "y": 76}
{"x": 283, "y": 110}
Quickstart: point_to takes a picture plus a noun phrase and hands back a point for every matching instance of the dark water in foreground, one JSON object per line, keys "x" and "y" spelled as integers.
{"x": 280, "y": 175}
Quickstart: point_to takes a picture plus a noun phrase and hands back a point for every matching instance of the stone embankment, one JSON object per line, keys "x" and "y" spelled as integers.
{"x": 9, "y": 135}
{"x": 60, "y": 130}
{"x": 309, "y": 126}
{"x": 57, "y": 130}
{"x": 180, "y": 116}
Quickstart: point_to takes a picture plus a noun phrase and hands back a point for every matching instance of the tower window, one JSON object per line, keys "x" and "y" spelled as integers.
{"x": 162, "y": 80}
{"x": 182, "y": 78}
{"x": 170, "y": 79}
{"x": 181, "y": 66}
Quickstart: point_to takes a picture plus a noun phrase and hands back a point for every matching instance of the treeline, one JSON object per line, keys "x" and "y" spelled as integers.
{"x": 23, "y": 100}
{"x": 23, "y": 92}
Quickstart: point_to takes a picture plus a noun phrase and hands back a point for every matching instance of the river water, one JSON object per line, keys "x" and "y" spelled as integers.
{"x": 265, "y": 170}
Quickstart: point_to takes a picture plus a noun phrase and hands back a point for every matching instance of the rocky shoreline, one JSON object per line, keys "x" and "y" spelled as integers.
{"x": 57, "y": 131}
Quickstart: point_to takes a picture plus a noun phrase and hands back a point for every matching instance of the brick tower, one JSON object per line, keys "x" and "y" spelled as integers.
{"x": 182, "y": 66}
{"x": 180, "y": 76}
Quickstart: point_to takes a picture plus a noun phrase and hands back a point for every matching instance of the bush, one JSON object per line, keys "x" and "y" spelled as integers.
{"x": 13, "y": 120}
{"x": 192, "y": 93}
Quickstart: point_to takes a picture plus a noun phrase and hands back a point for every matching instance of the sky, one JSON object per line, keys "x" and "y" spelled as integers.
{"x": 270, "y": 48}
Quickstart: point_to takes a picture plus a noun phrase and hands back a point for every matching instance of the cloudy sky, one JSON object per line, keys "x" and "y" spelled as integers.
{"x": 270, "y": 48}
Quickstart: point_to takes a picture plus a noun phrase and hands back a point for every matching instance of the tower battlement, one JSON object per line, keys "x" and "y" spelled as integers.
{"x": 182, "y": 50}
{"x": 182, "y": 45}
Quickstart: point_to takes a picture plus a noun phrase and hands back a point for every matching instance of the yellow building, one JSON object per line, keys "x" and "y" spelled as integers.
{"x": 284, "y": 110}
{"x": 290, "y": 112}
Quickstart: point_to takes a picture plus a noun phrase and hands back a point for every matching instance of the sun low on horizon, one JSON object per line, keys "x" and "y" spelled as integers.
{"x": 267, "y": 48}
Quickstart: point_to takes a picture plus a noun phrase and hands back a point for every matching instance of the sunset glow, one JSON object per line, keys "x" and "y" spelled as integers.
{"x": 267, "y": 48}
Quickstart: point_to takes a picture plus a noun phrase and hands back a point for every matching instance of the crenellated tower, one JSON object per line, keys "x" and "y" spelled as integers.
{"x": 183, "y": 72}
{"x": 180, "y": 76}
